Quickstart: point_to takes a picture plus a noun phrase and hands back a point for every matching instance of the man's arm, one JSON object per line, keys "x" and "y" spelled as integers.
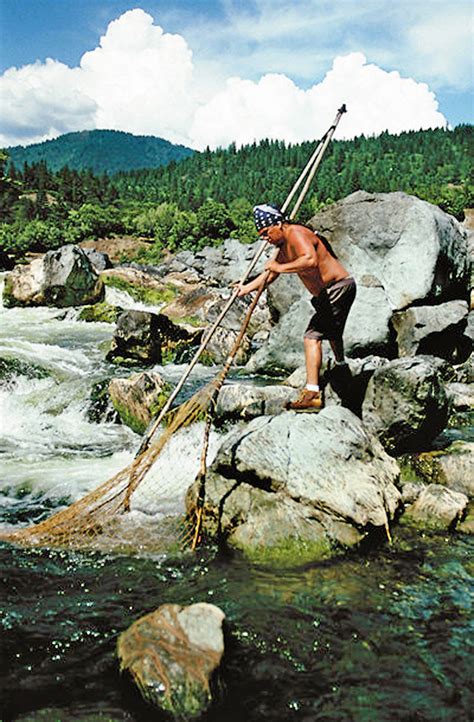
{"x": 269, "y": 276}
{"x": 305, "y": 251}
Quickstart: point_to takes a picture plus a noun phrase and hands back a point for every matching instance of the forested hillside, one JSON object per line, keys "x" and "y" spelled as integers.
{"x": 209, "y": 196}
{"x": 102, "y": 151}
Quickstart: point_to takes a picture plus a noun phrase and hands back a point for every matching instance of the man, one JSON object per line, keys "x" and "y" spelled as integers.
{"x": 333, "y": 290}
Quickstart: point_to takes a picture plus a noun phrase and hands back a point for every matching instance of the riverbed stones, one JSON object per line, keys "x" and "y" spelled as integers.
{"x": 296, "y": 485}
{"x": 61, "y": 278}
{"x": 432, "y": 330}
{"x": 139, "y": 398}
{"x": 173, "y": 654}
{"x": 406, "y": 404}
{"x": 437, "y": 507}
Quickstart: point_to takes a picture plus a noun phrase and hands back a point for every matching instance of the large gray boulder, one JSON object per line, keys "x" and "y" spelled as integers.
{"x": 433, "y": 330}
{"x": 410, "y": 248}
{"x": 172, "y": 655}
{"x": 406, "y": 404}
{"x": 298, "y": 484}
{"x": 61, "y": 278}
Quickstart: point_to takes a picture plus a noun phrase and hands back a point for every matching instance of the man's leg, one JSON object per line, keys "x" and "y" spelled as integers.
{"x": 337, "y": 346}
{"x": 313, "y": 358}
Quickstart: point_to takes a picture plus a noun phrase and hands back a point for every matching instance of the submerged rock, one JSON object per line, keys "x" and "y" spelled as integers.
{"x": 173, "y": 654}
{"x": 295, "y": 485}
{"x": 406, "y": 404}
{"x": 139, "y": 398}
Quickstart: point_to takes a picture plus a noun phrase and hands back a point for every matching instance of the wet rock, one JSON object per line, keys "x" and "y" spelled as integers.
{"x": 452, "y": 467}
{"x": 243, "y": 401}
{"x": 100, "y": 408}
{"x": 437, "y": 507}
{"x": 138, "y": 399}
{"x": 100, "y": 313}
{"x": 467, "y": 525}
{"x": 432, "y": 330}
{"x": 406, "y": 404}
{"x": 294, "y": 485}
{"x": 147, "y": 338}
{"x": 62, "y": 278}
{"x": 172, "y": 655}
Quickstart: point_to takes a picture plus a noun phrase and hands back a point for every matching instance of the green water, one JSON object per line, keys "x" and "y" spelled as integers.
{"x": 384, "y": 634}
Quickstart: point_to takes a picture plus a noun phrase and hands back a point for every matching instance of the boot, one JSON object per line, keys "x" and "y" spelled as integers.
{"x": 307, "y": 401}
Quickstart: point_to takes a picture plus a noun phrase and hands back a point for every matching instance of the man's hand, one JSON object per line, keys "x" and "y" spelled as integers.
{"x": 273, "y": 266}
{"x": 240, "y": 288}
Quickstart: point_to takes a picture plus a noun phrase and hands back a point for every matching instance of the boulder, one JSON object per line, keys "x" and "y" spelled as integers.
{"x": 437, "y": 507}
{"x": 140, "y": 285}
{"x": 220, "y": 345}
{"x": 452, "y": 467}
{"x": 139, "y": 398}
{"x": 406, "y": 404}
{"x": 461, "y": 396}
{"x": 244, "y": 401}
{"x": 24, "y": 285}
{"x": 345, "y": 384}
{"x": 284, "y": 351}
{"x": 99, "y": 261}
{"x": 432, "y": 330}
{"x": 173, "y": 654}
{"x": 147, "y": 338}
{"x": 70, "y": 279}
{"x": 62, "y": 278}
{"x": 296, "y": 485}
{"x": 376, "y": 234}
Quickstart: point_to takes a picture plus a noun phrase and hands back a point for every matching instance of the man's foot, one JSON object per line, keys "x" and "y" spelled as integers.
{"x": 307, "y": 401}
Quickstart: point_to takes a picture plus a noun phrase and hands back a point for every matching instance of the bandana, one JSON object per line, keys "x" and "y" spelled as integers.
{"x": 265, "y": 215}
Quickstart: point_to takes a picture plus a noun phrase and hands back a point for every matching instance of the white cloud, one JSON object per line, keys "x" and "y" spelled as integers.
{"x": 143, "y": 80}
{"x": 275, "y": 107}
{"x": 42, "y": 101}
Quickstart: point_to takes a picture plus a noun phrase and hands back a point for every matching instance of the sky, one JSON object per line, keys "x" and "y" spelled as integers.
{"x": 212, "y": 73}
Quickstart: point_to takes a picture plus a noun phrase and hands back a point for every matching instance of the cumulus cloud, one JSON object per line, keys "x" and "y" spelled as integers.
{"x": 275, "y": 107}
{"x": 143, "y": 80}
{"x": 42, "y": 101}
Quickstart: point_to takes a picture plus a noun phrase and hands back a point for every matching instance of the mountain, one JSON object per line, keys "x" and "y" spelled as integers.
{"x": 102, "y": 151}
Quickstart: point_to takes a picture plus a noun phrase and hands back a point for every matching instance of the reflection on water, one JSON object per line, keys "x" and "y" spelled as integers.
{"x": 383, "y": 637}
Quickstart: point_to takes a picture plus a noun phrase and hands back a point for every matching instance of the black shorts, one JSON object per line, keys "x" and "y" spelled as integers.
{"x": 332, "y": 307}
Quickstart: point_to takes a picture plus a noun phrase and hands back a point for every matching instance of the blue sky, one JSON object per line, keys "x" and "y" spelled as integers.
{"x": 211, "y": 72}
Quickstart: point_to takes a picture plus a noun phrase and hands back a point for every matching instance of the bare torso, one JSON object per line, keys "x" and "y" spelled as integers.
{"x": 299, "y": 239}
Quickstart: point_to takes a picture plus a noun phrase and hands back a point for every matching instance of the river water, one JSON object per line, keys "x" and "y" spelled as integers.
{"x": 380, "y": 634}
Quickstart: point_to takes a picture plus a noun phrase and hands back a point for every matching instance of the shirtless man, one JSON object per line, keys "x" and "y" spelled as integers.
{"x": 333, "y": 290}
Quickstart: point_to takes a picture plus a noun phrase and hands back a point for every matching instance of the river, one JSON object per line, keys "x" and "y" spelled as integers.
{"x": 377, "y": 635}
